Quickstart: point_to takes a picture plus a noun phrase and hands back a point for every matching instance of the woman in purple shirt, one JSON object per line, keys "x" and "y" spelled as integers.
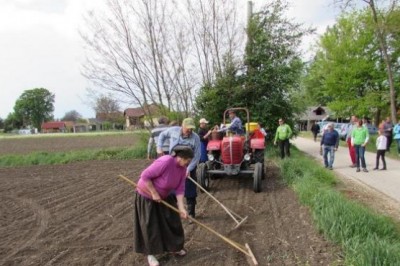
{"x": 158, "y": 229}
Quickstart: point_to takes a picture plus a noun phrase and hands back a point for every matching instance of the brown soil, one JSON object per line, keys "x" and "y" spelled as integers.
{"x": 81, "y": 214}
{"x": 62, "y": 144}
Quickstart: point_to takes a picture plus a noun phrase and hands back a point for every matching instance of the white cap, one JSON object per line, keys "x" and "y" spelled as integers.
{"x": 203, "y": 121}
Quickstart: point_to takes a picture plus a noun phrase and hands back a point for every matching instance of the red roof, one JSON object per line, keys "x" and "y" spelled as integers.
{"x": 53, "y": 125}
{"x": 139, "y": 112}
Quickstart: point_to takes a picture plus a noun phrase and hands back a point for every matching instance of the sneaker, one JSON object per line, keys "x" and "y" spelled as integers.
{"x": 152, "y": 260}
{"x": 376, "y": 168}
{"x": 181, "y": 253}
{"x": 330, "y": 168}
{"x": 358, "y": 170}
{"x": 384, "y": 168}
{"x": 353, "y": 165}
{"x": 365, "y": 170}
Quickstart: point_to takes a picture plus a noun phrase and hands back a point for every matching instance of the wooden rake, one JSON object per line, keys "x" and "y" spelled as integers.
{"x": 236, "y": 217}
{"x": 244, "y": 249}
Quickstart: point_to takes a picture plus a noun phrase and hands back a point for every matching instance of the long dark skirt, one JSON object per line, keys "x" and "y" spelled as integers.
{"x": 156, "y": 228}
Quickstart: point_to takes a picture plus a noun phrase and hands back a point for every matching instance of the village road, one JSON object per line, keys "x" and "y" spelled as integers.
{"x": 386, "y": 182}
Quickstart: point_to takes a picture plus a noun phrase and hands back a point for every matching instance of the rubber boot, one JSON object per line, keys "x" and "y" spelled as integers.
{"x": 192, "y": 210}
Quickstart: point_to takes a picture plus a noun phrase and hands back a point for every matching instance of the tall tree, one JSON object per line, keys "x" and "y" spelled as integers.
{"x": 273, "y": 64}
{"x": 214, "y": 99}
{"x": 348, "y": 71}
{"x": 72, "y": 115}
{"x": 147, "y": 52}
{"x": 384, "y": 31}
{"x": 35, "y": 107}
{"x": 106, "y": 104}
{"x": 12, "y": 122}
{"x": 270, "y": 74}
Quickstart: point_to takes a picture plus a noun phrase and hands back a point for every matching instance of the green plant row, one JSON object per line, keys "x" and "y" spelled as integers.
{"x": 366, "y": 238}
{"x": 46, "y": 158}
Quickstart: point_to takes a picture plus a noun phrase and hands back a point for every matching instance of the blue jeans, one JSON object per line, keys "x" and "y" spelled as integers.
{"x": 360, "y": 151}
{"x": 329, "y": 151}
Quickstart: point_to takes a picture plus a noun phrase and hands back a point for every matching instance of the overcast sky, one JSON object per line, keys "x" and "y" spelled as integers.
{"x": 40, "y": 47}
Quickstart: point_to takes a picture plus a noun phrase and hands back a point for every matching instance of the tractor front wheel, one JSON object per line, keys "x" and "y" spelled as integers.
{"x": 203, "y": 176}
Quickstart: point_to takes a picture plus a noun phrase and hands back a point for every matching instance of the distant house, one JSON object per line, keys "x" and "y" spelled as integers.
{"x": 313, "y": 114}
{"x": 112, "y": 120}
{"x": 135, "y": 117}
{"x": 94, "y": 124}
{"x": 53, "y": 127}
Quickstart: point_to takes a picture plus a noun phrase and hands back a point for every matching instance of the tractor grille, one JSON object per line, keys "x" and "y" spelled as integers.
{"x": 232, "y": 150}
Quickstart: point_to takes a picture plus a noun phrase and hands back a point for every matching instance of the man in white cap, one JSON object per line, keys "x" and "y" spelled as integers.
{"x": 204, "y": 134}
{"x": 184, "y": 136}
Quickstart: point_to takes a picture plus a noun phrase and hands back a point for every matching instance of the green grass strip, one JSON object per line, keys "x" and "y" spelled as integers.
{"x": 366, "y": 238}
{"x": 47, "y": 158}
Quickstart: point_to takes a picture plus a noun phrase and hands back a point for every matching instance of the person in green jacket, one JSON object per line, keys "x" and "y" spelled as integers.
{"x": 359, "y": 139}
{"x": 282, "y": 136}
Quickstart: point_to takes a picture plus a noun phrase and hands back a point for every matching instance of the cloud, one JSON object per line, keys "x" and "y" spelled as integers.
{"x": 41, "y": 47}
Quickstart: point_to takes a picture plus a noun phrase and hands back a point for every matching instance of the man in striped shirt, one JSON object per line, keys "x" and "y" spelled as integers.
{"x": 155, "y": 133}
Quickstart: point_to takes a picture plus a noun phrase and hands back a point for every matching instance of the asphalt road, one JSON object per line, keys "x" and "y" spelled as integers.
{"x": 386, "y": 182}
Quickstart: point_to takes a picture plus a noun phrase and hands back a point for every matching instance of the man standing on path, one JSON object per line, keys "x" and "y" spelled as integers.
{"x": 282, "y": 136}
{"x": 352, "y": 151}
{"x": 315, "y": 130}
{"x": 359, "y": 139}
{"x": 184, "y": 136}
{"x": 330, "y": 144}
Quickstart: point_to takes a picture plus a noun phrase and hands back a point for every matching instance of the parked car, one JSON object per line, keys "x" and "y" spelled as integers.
{"x": 372, "y": 130}
{"x": 341, "y": 128}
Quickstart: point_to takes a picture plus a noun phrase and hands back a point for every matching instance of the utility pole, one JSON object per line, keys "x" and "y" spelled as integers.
{"x": 249, "y": 11}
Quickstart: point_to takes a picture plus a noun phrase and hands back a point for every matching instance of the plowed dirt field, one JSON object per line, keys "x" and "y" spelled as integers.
{"x": 81, "y": 214}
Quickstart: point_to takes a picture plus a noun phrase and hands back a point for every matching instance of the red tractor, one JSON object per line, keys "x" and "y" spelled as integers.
{"x": 235, "y": 155}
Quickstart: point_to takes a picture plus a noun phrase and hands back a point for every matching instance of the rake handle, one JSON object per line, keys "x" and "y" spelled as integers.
{"x": 229, "y": 241}
{"x": 230, "y": 212}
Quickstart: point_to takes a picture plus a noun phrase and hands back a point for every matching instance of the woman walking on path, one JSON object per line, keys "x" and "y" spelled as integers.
{"x": 359, "y": 139}
{"x": 396, "y": 132}
{"x": 381, "y": 145}
{"x": 158, "y": 229}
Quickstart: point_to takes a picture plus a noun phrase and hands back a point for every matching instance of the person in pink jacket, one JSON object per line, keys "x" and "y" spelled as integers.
{"x": 158, "y": 229}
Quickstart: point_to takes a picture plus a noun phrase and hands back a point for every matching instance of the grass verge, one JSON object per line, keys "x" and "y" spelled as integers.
{"x": 46, "y": 158}
{"x": 366, "y": 238}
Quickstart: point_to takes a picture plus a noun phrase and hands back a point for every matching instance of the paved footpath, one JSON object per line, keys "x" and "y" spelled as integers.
{"x": 386, "y": 182}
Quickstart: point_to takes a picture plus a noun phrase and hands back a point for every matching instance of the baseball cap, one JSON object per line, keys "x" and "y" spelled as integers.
{"x": 188, "y": 123}
{"x": 203, "y": 120}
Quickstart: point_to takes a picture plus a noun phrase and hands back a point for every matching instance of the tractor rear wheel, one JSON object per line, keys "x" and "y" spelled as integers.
{"x": 257, "y": 175}
{"x": 203, "y": 176}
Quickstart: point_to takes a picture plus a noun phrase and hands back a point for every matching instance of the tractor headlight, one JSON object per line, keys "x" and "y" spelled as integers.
{"x": 247, "y": 157}
{"x": 210, "y": 157}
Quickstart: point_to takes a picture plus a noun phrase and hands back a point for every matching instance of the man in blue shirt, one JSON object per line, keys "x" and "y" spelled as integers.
{"x": 236, "y": 124}
{"x": 330, "y": 143}
{"x": 184, "y": 136}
